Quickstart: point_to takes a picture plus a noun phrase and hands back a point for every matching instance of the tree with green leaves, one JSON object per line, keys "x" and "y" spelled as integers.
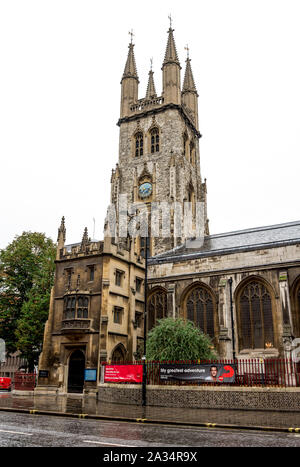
{"x": 177, "y": 339}
{"x": 26, "y": 277}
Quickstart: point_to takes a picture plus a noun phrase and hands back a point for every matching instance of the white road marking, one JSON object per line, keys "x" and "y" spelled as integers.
{"x": 16, "y": 432}
{"x": 110, "y": 444}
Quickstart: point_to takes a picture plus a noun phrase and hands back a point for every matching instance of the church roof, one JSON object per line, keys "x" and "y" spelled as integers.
{"x": 233, "y": 242}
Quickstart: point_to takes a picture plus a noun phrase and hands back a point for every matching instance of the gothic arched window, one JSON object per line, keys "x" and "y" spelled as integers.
{"x": 200, "y": 308}
{"x": 157, "y": 307}
{"x": 139, "y": 144}
{"x": 154, "y": 140}
{"x": 296, "y": 307}
{"x": 256, "y": 330}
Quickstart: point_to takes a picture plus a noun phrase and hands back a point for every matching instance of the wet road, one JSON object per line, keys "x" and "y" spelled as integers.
{"x": 40, "y": 431}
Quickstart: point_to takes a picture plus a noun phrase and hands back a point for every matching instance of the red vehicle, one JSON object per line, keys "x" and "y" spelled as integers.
{"x": 5, "y": 383}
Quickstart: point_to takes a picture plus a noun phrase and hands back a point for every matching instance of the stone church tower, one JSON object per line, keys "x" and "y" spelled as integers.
{"x": 159, "y": 158}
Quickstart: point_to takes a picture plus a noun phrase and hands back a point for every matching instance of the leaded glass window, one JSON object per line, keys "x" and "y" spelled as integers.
{"x": 75, "y": 307}
{"x": 200, "y": 310}
{"x": 256, "y": 330}
{"x": 157, "y": 308}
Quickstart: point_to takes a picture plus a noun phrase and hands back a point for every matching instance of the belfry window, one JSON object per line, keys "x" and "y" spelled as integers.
{"x": 200, "y": 309}
{"x": 139, "y": 144}
{"x": 255, "y": 317}
{"x": 154, "y": 140}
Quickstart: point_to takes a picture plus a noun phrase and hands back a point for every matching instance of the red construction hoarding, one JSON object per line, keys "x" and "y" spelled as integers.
{"x": 123, "y": 373}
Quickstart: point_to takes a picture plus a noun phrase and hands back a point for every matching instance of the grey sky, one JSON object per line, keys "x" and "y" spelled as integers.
{"x": 61, "y": 65}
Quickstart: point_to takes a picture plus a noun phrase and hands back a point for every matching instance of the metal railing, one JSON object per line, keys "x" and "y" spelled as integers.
{"x": 256, "y": 372}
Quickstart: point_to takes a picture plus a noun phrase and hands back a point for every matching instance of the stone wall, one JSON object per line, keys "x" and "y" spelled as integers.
{"x": 238, "y": 398}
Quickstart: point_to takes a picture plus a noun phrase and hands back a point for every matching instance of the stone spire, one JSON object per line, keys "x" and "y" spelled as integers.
{"x": 85, "y": 238}
{"x": 61, "y": 237}
{"x": 130, "y": 70}
{"x": 189, "y": 95}
{"x": 171, "y": 72}
{"x": 151, "y": 92}
{"x": 188, "y": 82}
{"x": 171, "y": 52}
{"x": 129, "y": 83}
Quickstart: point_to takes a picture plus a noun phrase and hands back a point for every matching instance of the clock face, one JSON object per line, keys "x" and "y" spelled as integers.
{"x": 145, "y": 190}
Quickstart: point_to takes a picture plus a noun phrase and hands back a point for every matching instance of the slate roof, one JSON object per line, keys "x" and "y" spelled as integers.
{"x": 232, "y": 242}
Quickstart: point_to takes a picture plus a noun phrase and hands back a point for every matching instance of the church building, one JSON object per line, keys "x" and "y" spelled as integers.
{"x": 242, "y": 288}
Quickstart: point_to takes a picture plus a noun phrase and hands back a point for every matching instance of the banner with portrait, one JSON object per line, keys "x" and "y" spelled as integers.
{"x": 199, "y": 373}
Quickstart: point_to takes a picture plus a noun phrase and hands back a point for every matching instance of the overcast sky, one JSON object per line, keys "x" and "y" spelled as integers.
{"x": 61, "y": 63}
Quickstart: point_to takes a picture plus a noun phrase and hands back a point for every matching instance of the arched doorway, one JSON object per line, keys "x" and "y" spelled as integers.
{"x": 76, "y": 372}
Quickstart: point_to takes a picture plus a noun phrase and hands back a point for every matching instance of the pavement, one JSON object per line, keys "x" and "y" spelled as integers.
{"x": 79, "y": 406}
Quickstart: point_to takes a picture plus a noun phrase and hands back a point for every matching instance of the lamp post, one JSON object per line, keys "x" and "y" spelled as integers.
{"x": 232, "y": 322}
{"x": 145, "y": 325}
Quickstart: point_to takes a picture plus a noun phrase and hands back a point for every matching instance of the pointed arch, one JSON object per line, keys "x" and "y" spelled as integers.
{"x": 199, "y": 305}
{"x": 156, "y": 306}
{"x": 118, "y": 354}
{"x": 255, "y": 307}
{"x": 154, "y": 138}
{"x": 76, "y": 367}
{"x": 295, "y": 303}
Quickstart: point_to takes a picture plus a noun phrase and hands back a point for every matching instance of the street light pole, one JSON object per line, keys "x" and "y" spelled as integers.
{"x": 232, "y": 322}
{"x": 145, "y": 326}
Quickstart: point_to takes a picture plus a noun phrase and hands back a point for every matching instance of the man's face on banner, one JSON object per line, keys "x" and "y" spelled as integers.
{"x": 213, "y": 371}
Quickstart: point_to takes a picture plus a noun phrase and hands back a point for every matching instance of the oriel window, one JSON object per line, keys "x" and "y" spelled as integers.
{"x": 76, "y": 307}
{"x": 82, "y": 307}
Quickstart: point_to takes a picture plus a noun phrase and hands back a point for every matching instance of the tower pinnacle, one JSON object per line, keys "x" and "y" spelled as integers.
{"x": 129, "y": 82}
{"x": 130, "y": 70}
{"x": 151, "y": 92}
{"x": 171, "y": 71}
{"x": 189, "y": 95}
